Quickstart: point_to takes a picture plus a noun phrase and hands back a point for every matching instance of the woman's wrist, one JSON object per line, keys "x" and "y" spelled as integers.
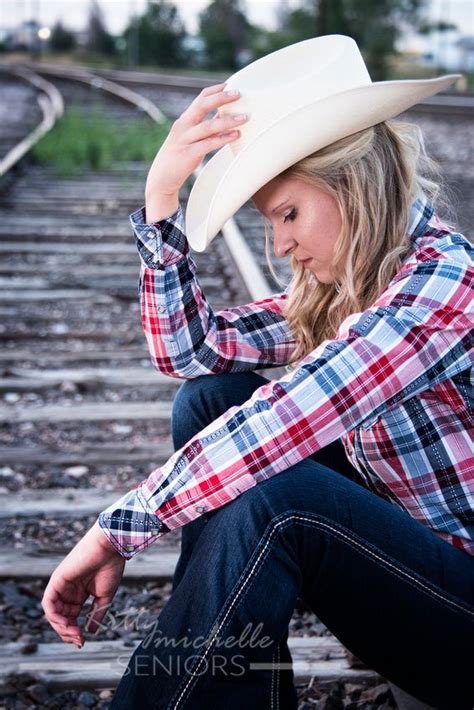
{"x": 98, "y": 535}
{"x": 158, "y": 206}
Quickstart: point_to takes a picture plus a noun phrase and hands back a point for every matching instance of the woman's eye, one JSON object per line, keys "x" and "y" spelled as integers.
{"x": 291, "y": 215}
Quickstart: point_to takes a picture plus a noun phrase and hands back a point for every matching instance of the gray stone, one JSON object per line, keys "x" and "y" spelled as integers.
{"x": 88, "y": 699}
{"x": 38, "y": 692}
{"x": 29, "y": 647}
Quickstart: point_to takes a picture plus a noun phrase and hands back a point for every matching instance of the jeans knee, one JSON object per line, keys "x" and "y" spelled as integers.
{"x": 302, "y": 490}
{"x": 246, "y": 517}
{"x": 200, "y": 401}
{"x": 185, "y": 405}
{"x": 183, "y": 396}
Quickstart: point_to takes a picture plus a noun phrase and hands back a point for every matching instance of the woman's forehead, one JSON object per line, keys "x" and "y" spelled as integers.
{"x": 281, "y": 188}
{"x": 276, "y": 189}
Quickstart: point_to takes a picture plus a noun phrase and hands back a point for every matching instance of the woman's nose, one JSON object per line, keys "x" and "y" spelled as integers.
{"x": 283, "y": 246}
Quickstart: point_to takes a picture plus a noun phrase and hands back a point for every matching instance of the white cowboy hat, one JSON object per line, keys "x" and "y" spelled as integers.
{"x": 299, "y": 99}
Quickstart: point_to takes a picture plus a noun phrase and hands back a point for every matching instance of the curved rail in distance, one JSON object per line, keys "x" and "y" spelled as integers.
{"x": 51, "y": 104}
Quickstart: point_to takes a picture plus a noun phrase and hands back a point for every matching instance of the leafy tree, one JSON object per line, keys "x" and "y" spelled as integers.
{"x": 98, "y": 39}
{"x": 62, "y": 40}
{"x": 281, "y": 13}
{"x": 159, "y": 33}
{"x": 426, "y": 27}
{"x": 225, "y": 30}
{"x": 374, "y": 24}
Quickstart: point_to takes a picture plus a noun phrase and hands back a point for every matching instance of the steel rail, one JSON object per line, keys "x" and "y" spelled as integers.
{"x": 249, "y": 270}
{"x": 52, "y": 107}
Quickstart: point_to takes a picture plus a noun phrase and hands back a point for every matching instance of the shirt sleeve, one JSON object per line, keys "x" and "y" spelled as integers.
{"x": 185, "y": 337}
{"x": 417, "y": 334}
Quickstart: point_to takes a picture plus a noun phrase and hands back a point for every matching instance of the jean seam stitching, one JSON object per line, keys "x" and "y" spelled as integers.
{"x": 277, "y": 695}
{"x": 227, "y": 607}
{"x": 273, "y": 677}
{"x": 396, "y": 568}
{"x": 275, "y": 528}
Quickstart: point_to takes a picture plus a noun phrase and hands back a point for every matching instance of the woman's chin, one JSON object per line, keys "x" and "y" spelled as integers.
{"x": 322, "y": 276}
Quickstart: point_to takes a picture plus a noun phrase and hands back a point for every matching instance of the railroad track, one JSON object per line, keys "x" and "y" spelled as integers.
{"x": 84, "y": 415}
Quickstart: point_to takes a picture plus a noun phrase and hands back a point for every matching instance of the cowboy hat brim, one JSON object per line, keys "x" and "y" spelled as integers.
{"x": 230, "y": 179}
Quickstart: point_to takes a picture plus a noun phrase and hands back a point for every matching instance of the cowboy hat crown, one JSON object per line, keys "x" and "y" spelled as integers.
{"x": 299, "y": 99}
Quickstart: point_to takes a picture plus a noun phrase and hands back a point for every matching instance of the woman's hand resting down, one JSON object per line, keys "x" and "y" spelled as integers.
{"x": 92, "y": 567}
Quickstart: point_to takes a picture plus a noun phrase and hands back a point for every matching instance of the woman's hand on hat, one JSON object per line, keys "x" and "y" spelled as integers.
{"x": 191, "y": 137}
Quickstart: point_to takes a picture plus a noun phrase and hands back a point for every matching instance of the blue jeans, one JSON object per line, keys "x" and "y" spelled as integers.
{"x": 397, "y": 596}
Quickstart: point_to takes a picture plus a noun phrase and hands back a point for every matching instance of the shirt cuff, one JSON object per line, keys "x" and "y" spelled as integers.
{"x": 160, "y": 243}
{"x": 130, "y": 525}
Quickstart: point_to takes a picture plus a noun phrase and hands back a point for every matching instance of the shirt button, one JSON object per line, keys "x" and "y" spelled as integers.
{"x": 200, "y": 508}
{"x": 129, "y": 548}
{"x": 150, "y": 234}
{"x": 161, "y": 309}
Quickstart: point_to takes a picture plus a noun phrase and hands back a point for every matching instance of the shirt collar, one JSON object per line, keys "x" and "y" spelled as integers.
{"x": 421, "y": 212}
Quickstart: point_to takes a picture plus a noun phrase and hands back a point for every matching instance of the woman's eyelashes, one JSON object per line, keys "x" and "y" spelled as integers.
{"x": 291, "y": 215}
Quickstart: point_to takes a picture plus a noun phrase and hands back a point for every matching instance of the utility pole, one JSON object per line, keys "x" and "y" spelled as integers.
{"x": 133, "y": 36}
{"x": 35, "y": 43}
{"x": 321, "y": 17}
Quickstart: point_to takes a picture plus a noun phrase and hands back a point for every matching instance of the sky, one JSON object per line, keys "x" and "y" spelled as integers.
{"x": 116, "y": 12}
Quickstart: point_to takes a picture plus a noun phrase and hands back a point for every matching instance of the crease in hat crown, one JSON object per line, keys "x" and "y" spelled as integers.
{"x": 326, "y": 62}
{"x": 283, "y": 88}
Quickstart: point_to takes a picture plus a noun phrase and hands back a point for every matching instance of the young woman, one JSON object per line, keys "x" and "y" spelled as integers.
{"x": 349, "y": 481}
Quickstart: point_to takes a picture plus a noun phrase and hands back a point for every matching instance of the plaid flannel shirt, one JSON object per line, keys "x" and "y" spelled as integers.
{"x": 395, "y": 384}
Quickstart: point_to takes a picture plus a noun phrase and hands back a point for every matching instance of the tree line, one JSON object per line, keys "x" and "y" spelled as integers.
{"x": 227, "y": 40}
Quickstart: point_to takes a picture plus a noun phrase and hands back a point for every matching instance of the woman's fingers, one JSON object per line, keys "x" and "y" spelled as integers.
{"x": 188, "y": 142}
{"x": 210, "y": 134}
{"x": 204, "y": 103}
{"x": 52, "y": 606}
{"x": 70, "y": 634}
{"x": 212, "y": 143}
{"x": 216, "y": 126}
{"x": 99, "y": 609}
{"x": 213, "y": 89}
{"x": 65, "y": 622}
{"x": 67, "y": 632}
{"x": 60, "y": 611}
{"x": 65, "y": 626}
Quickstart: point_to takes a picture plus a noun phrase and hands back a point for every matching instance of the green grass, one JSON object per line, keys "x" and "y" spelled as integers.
{"x": 93, "y": 141}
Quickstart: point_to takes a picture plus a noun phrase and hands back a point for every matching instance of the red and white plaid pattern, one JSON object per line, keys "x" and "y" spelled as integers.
{"x": 396, "y": 384}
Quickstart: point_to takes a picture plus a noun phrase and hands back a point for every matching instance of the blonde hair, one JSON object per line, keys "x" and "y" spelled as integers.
{"x": 374, "y": 176}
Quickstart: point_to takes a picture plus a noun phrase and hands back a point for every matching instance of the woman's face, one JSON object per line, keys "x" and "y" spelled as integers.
{"x": 307, "y": 224}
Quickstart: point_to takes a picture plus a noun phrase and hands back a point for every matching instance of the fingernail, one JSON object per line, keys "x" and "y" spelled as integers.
{"x": 241, "y": 117}
{"x": 232, "y": 92}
